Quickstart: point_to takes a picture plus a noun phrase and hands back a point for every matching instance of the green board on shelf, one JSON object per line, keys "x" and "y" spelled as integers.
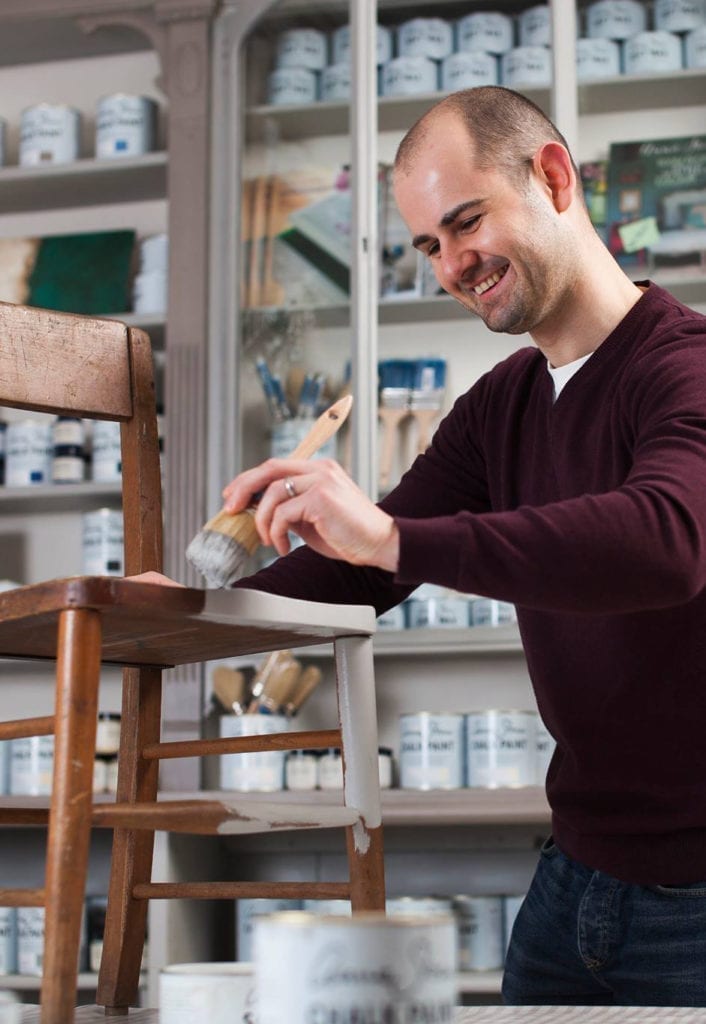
{"x": 85, "y": 273}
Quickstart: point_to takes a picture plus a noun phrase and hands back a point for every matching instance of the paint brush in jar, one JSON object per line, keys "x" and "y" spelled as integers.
{"x": 395, "y": 384}
{"x": 275, "y": 688}
{"x": 229, "y": 689}
{"x": 426, "y": 397}
{"x": 220, "y": 550}
{"x": 303, "y": 688}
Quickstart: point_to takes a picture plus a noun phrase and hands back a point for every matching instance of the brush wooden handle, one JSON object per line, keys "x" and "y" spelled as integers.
{"x": 323, "y": 428}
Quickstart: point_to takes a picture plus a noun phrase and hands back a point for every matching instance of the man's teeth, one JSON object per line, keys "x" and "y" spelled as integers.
{"x": 489, "y": 281}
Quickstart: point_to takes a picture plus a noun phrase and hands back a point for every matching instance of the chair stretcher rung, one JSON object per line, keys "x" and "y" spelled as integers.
{"x": 316, "y": 739}
{"x": 20, "y": 728}
{"x": 241, "y": 890}
{"x": 22, "y": 897}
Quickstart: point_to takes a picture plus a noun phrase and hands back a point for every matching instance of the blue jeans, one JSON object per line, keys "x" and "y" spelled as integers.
{"x": 583, "y": 938}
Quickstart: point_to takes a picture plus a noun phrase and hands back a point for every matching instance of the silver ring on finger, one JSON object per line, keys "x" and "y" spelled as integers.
{"x": 289, "y": 487}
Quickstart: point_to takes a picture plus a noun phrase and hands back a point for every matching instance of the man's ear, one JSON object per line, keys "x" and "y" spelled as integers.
{"x": 553, "y": 167}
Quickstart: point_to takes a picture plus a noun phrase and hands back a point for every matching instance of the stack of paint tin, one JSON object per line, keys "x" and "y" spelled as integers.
{"x": 126, "y": 126}
{"x": 619, "y": 38}
{"x": 434, "y": 607}
{"x": 22, "y": 939}
{"x": 484, "y": 749}
{"x": 149, "y": 293}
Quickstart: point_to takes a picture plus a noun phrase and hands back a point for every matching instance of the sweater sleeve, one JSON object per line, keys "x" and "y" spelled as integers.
{"x": 637, "y": 545}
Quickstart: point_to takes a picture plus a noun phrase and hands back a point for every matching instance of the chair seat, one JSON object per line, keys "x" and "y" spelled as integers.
{"x": 150, "y": 624}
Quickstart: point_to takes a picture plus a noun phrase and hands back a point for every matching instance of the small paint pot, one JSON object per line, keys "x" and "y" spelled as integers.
{"x": 407, "y": 76}
{"x": 49, "y": 134}
{"x": 125, "y": 126}
{"x": 648, "y": 52}
{"x": 220, "y": 993}
{"x": 489, "y": 31}
{"x": 535, "y": 26}
{"x": 425, "y": 37}
{"x": 336, "y": 82}
{"x": 480, "y": 932}
{"x": 292, "y": 86}
{"x": 301, "y": 48}
{"x": 526, "y": 65}
{"x": 597, "y": 58}
{"x": 341, "y": 45}
{"x": 431, "y": 750}
{"x": 679, "y": 15}
{"x": 467, "y": 69}
{"x": 695, "y": 48}
{"x": 500, "y": 748}
{"x": 615, "y": 19}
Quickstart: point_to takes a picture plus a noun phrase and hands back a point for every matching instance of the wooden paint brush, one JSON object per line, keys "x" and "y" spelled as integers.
{"x": 229, "y": 689}
{"x": 303, "y": 688}
{"x": 220, "y": 550}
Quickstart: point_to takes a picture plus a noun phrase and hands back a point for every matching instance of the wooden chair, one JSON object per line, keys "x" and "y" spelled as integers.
{"x": 100, "y": 369}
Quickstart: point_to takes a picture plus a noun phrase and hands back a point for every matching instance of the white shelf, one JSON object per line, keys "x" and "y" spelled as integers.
{"x": 87, "y": 981}
{"x": 658, "y": 90}
{"x": 59, "y": 497}
{"x": 473, "y": 640}
{"x": 87, "y": 182}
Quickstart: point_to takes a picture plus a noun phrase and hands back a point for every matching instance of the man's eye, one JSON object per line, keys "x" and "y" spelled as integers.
{"x": 470, "y": 224}
{"x": 432, "y": 250}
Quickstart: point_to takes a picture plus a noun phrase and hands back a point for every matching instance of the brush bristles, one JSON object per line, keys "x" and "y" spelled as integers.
{"x": 221, "y": 549}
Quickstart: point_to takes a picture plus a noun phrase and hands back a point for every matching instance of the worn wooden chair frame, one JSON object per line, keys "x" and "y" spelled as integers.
{"x": 59, "y": 363}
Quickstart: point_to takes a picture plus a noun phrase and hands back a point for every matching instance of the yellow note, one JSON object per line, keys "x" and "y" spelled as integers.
{"x": 639, "y": 234}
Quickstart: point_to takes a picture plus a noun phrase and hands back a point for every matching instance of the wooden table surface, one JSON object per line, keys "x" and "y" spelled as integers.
{"x": 466, "y": 1015}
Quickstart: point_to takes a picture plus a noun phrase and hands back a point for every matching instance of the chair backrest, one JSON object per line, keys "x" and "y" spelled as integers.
{"x": 99, "y": 369}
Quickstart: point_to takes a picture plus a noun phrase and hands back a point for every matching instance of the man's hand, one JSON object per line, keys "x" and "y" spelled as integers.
{"x": 154, "y": 577}
{"x": 318, "y": 501}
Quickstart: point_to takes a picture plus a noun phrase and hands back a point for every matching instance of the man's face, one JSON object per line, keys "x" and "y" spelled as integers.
{"x": 497, "y": 248}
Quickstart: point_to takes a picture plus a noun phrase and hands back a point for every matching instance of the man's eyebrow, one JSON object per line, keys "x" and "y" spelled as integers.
{"x": 448, "y": 218}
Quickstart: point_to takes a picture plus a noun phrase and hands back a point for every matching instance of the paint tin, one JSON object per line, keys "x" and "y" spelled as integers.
{"x": 695, "y": 48}
{"x": 407, "y": 76}
{"x": 444, "y": 610}
{"x": 468, "y": 69}
{"x": 106, "y": 456}
{"x": 100, "y": 775}
{"x": 49, "y": 134}
{"x": 330, "y": 769}
{"x": 125, "y": 126}
{"x": 220, "y": 993}
{"x": 393, "y": 619}
{"x": 327, "y": 907}
{"x": 96, "y": 907}
{"x": 286, "y": 436}
{"x": 431, "y": 750}
{"x": 31, "y": 766}
{"x": 535, "y": 26}
{"x": 615, "y": 19}
{"x": 341, "y": 45}
{"x": 480, "y": 932}
{"x": 500, "y": 748}
{"x": 336, "y": 82}
{"x": 111, "y": 775}
{"x": 256, "y": 771}
{"x": 247, "y": 911}
{"x": 292, "y": 87}
{"x": 385, "y": 767}
{"x": 30, "y": 940}
{"x": 489, "y": 31}
{"x": 597, "y": 58}
{"x": 108, "y": 733}
{"x": 68, "y": 454}
{"x": 29, "y": 452}
{"x": 486, "y": 611}
{"x": 301, "y": 48}
{"x": 5, "y": 766}
{"x": 150, "y": 291}
{"x": 300, "y": 769}
{"x": 367, "y": 967}
{"x": 648, "y": 52}
{"x": 511, "y": 908}
{"x": 679, "y": 15}
{"x": 154, "y": 253}
{"x": 425, "y": 37}
{"x": 418, "y": 906}
{"x": 102, "y": 542}
{"x": 8, "y": 941}
{"x": 526, "y": 65}
{"x": 544, "y": 747}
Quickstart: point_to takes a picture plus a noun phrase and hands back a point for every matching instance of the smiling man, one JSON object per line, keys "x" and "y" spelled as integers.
{"x": 571, "y": 481}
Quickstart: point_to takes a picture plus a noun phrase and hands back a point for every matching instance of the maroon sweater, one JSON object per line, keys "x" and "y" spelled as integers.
{"x": 590, "y": 515}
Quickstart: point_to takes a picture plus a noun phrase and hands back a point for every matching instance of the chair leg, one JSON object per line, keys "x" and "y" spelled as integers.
{"x": 77, "y": 680}
{"x": 131, "y": 862}
{"x": 361, "y": 787}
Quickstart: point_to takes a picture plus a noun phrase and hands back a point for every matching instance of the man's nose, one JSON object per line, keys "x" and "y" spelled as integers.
{"x": 456, "y": 258}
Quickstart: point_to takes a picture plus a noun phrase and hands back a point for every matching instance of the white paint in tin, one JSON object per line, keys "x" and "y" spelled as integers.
{"x": 695, "y": 48}
{"x": 368, "y": 967}
{"x": 408, "y": 76}
{"x": 425, "y": 37}
{"x": 500, "y": 748}
{"x": 28, "y": 453}
{"x": 330, "y": 770}
{"x": 341, "y": 45}
{"x": 106, "y": 457}
{"x": 486, "y": 611}
{"x": 486, "y": 30}
{"x": 49, "y": 134}
{"x": 393, "y": 619}
{"x": 445, "y": 612}
{"x": 125, "y": 126}
{"x": 535, "y": 26}
{"x": 292, "y": 87}
{"x": 301, "y": 48}
{"x": 431, "y": 750}
{"x": 300, "y": 770}
{"x": 30, "y": 940}
{"x": 652, "y": 51}
{"x": 526, "y": 65}
{"x": 597, "y": 58}
{"x": 467, "y": 69}
{"x": 336, "y": 82}
{"x": 258, "y": 771}
{"x": 102, "y": 542}
{"x": 219, "y": 993}
{"x": 31, "y": 766}
{"x": 247, "y": 911}
{"x": 8, "y": 941}
{"x": 480, "y": 932}
{"x": 679, "y": 15}
{"x": 615, "y": 19}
